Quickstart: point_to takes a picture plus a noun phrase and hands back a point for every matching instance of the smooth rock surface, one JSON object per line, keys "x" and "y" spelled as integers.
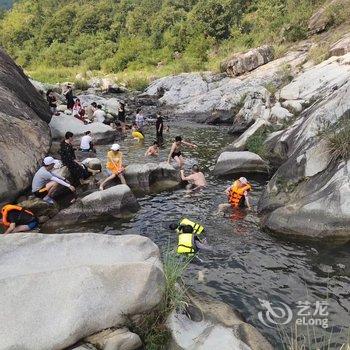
{"x": 116, "y": 202}
{"x": 239, "y": 162}
{"x": 25, "y": 139}
{"x": 101, "y": 133}
{"x": 58, "y": 289}
{"x": 279, "y": 114}
{"x": 341, "y": 47}
{"x": 151, "y": 177}
{"x": 213, "y": 325}
{"x": 245, "y": 62}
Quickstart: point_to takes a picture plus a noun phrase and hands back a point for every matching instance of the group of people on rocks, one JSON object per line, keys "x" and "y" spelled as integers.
{"x": 48, "y": 185}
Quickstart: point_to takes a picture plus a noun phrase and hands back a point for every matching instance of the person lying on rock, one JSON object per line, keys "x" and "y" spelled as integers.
{"x": 114, "y": 165}
{"x": 190, "y": 239}
{"x": 78, "y": 171}
{"x": 153, "y": 150}
{"x": 196, "y": 180}
{"x": 238, "y": 195}
{"x": 175, "y": 151}
{"x": 45, "y": 183}
{"x": 17, "y": 219}
{"x": 86, "y": 143}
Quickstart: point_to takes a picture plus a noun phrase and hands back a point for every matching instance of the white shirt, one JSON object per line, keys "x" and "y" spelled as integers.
{"x": 85, "y": 142}
{"x": 140, "y": 120}
{"x": 99, "y": 115}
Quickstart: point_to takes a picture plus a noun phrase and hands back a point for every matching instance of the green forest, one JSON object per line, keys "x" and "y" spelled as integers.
{"x": 57, "y": 38}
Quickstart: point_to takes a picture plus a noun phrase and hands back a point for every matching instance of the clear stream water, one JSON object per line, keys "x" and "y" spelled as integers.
{"x": 247, "y": 264}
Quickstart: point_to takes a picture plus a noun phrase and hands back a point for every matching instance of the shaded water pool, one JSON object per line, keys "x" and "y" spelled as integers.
{"x": 247, "y": 264}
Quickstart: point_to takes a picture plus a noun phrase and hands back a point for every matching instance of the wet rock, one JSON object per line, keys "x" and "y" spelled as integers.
{"x": 341, "y": 47}
{"x": 151, "y": 177}
{"x": 101, "y": 133}
{"x": 25, "y": 139}
{"x": 120, "y": 339}
{"x": 213, "y": 325}
{"x": 83, "y": 283}
{"x": 116, "y": 201}
{"x": 40, "y": 208}
{"x": 239, "y": 162}
{"x": 245, "y": 62}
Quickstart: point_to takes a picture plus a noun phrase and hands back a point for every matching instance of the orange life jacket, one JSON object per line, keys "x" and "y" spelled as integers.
{"x": 7, "y": 208}
{"x": 236, "y": 193}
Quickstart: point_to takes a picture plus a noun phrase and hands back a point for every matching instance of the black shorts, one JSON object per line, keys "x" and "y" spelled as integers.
{"x": 175, "y": 154}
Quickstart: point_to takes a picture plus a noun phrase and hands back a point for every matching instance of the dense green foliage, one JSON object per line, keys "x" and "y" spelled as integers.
{"x": 131, "y": 35}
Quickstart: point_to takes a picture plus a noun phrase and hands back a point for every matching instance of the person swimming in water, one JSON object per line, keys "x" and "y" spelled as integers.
{"x": 175, "y": 151}
{"x": 196, "y": 180}
{"x": 153, "y": 150}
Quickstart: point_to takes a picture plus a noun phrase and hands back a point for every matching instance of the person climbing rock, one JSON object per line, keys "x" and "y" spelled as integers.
{"x": 190, "y": 239}
{"x": 196, "y": 180}
{"x": 45, "y": 184}
{"x": 238, "y": 195}
{"x": 175, "y": 151}
{"x": 114, "y": 165}
{"x": 17, "y": 219}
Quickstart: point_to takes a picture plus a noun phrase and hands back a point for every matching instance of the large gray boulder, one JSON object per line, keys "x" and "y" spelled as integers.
{"x": 24, "y": 115}
{"x": 202, "y": 95}
{"x": 151, "y": 177}
{"x": 238, "y": 163}
{"x": 245, "y": 62}
{"x": 209, "y": 325}
{"x": 58, "y": 289}
{"x": 59, "y": 125}
{"x": 308, "y": 197}
{"x": 117, "y": 201}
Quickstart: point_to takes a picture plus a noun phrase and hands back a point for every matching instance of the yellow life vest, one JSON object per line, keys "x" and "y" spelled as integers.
{"x": 197, "y": 229}
{"x": 186, "y": 244}
{"x": 236, "y": 194}
{"x": 9, "y": 207}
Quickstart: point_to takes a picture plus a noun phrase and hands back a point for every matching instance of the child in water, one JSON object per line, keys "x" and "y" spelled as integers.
{"x": 136, "y": 133}
{"x": 175, "y": 151}
{"x": 153, "y": 150}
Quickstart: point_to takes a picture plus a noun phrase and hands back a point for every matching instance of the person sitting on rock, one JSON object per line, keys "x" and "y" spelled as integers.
{"x": 114, "y": 165}
{"x": 52, "y": 100}
{"x": 196, "y": 180}
{"x": 190, "y": 239}
{"x": 86, "y": 144}
{"x": 78, "y": 171}
{"x": 99, "y": 115}
{"x": 238, "y": 195}
{"x": 153, "y": 150}
{"x": 45, "y": 184}
{"x": 79, "y": 112}
{"x": 89, "y": 111}
{"x": 175, "y": 151}
{"x": 17, "y": 219}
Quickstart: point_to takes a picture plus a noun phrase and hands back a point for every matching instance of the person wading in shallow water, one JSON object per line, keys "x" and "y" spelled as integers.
{"x": 175, "y": 151}
{"x": 196, "y": 180}
{"x": 238, "y": 195}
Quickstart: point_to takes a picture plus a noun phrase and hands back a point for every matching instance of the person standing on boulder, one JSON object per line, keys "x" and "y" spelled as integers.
{"x": 114, "y": 165}
{"x": 17, "y": 219}
{"x": 175, "y": 151}
{"x": 121, "y": 116}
